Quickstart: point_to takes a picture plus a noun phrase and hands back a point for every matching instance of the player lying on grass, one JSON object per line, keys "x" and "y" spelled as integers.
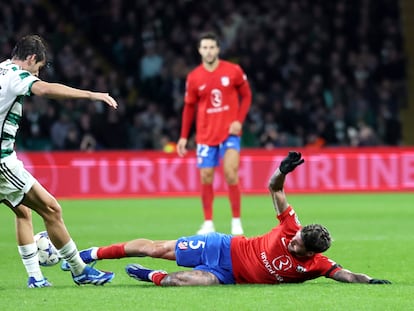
{"x": 289, "y": 253}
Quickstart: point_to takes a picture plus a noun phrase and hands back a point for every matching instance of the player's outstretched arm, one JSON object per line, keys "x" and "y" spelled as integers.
{"x": 60, "y": 91}
{"x": 277, "y": 180}
{"x": 276, "y": 183}
{"x": 347, "y": 276}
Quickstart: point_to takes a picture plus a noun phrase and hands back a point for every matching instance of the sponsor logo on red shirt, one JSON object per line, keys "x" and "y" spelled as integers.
{"x": 282, "y": 263}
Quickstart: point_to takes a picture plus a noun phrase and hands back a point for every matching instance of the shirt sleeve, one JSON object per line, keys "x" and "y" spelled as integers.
{"x": 188, "y": 115}
{"x": 326, "y": 266}
{"x": 334, "y": 268}
{"x": 289, "y": 215}
{"x": 289, "y": 221}
{"x": 245, "y": 94}
{"x": 21, "y": 82}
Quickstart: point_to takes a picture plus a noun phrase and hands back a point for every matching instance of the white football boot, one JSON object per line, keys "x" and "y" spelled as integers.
{"x": 206, "y": 227}
{"x": 236, "y": 227}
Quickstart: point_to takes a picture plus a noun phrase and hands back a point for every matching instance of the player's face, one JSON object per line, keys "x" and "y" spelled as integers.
{"x": 32, "y": 66}
{"x": 36, "y": 68}
{"x": 296, "y": 245}
{"x": 209, "y": 51}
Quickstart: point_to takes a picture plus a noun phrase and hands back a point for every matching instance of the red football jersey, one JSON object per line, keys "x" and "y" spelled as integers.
{"x": 217, "y": 98}
{"x": 266, "y": 259}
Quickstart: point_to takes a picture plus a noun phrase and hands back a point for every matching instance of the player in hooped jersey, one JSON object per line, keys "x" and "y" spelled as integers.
{"x": 19, "y": 190}
{"x": 289, "y": 253}
{"x": 218, "y": 96}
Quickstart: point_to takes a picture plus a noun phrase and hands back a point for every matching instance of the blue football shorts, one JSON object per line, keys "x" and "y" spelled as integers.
{"x": 207, "y": 252}
{"x": 209, "y": 156}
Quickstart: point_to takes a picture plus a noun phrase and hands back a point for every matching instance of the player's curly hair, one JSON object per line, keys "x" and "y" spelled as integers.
{"x": 30, "y": 45}
{"x": 316, "y": 238}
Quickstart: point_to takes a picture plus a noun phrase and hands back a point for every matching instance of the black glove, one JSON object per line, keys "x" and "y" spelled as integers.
{"x": 289, "y": 163}
{"x": 376, "y": 281}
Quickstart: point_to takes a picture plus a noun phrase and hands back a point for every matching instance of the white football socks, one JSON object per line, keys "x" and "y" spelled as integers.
{"x": 30, "y": 260}
{"x": 70, "y": 253}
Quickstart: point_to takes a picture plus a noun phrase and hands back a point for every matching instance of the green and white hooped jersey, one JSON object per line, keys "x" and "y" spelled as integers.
{"x": 15, "y": 84}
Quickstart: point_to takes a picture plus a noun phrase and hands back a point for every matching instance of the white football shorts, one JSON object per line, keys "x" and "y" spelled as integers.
{"x": 15, "y": 180}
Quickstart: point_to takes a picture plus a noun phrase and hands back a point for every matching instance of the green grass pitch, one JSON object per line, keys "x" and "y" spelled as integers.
{"x": 373, "y": 234}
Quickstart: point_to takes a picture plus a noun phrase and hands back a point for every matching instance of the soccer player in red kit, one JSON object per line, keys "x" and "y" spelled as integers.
{"x": 289, "y": 253}
{"x": 218, "y": 95}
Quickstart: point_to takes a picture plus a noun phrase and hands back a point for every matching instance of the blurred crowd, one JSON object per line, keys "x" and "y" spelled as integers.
{"x": 323, "y": 73}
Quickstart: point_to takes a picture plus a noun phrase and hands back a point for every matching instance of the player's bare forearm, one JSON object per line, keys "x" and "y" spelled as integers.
{"x": 276, "y": 182}
{"x": 347, "y": 276}
{"x": 190, "y": 278}
{"x": 61, "y": 91}
{"x": 58, "y": 91}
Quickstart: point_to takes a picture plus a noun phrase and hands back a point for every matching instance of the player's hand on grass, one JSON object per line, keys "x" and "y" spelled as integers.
{"x": 289, "y": 163}
{"x": 377, "y": 281}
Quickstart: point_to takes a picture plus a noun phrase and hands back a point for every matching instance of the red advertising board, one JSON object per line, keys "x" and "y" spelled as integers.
{"x": 130, "y": 173}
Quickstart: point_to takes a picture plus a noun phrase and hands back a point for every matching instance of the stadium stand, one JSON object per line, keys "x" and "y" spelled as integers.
{"x": 323, "y": 73}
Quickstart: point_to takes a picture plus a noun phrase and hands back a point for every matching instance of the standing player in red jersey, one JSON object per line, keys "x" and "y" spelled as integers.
{"x": 289, "y": 253}
{"x": 219, "y": 95}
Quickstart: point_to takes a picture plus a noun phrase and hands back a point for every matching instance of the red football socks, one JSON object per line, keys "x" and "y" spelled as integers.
{"x": 157, "y": 277}
{"x": 234, "y": 197}
{"x": 207, "y": 197}
{"x": 113, "y": 251}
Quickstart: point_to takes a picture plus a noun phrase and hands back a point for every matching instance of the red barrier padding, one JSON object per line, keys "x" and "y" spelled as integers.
{"x": 130, "y": 173}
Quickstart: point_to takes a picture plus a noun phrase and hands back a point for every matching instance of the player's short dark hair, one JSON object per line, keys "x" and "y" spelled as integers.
{"x": 209, "y": 36}
{"x": 30, "y": 45}
{"x": 316, "y": 238}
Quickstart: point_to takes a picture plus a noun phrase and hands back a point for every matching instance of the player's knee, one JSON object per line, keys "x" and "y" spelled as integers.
{"x": 207, "y": 177}
{"x": 54, "y": 211}
{"x": 231, "y": 177}
{"x": 153, "y": 253}
{"x": 23, "y": 213}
